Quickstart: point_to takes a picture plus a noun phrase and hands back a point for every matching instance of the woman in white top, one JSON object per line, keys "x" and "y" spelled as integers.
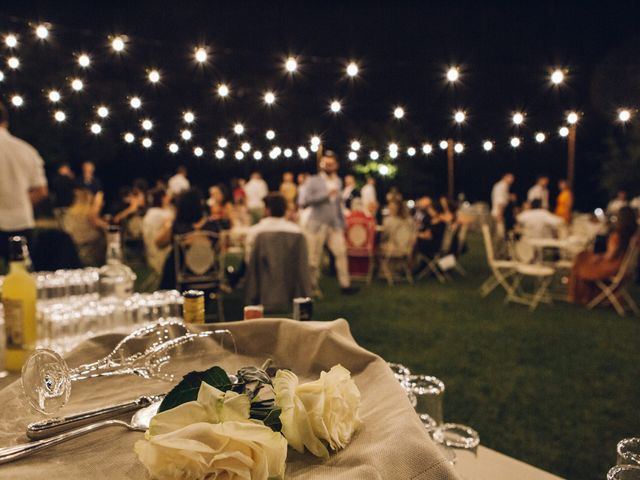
{"x": 152, "y": 224}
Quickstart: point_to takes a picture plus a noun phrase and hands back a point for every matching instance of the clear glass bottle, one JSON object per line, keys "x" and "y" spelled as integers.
{"x": 115, "y": 278}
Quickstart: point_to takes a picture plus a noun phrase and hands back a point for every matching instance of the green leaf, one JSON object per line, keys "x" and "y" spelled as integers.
{"x": 187, "y": 389}
{"x": 272, "y": 420}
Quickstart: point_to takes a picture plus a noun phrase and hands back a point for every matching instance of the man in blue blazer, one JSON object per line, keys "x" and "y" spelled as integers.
{"x": 325, "y": 225}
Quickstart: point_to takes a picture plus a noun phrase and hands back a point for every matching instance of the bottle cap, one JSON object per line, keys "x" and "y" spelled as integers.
{"x": 16, "y": 252}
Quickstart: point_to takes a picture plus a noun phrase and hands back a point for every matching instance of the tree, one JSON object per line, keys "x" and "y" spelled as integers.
{"x": 621, "y": 166}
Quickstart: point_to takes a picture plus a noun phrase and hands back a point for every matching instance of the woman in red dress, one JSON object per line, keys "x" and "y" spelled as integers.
{"x": 589, "y": 266}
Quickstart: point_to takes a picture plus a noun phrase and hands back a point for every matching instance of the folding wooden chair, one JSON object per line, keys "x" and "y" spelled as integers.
{"x": 397, "y": 251}
{"x": 541, "y": 274}
{"x": 501, "y": 270}
{"x": 360, "y": 235}
{"x": 614, "y": 290}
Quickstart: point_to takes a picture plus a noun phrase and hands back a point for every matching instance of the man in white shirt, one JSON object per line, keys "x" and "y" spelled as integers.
{"x": 499, "y": 201}
{"x": 273, "y": 221}
{"x": 538, "y": 222}
{"x": 256, "y": 190}
{"x": 540, "y": 191}
{"x": 369, "y": 196}
{"x": 22, "y": 184}
{"x": 179, "y": 182}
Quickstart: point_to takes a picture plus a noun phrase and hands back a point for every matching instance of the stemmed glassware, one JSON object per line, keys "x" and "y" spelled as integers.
{"x": 165, "y": 351}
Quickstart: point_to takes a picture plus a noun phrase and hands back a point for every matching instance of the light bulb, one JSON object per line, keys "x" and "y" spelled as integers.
{"x": 222, "y": 142}
{"x": 154, "y": 76}
{"x": 557, "y": 77}
{"x": 315, "y": 140}
{"x": 102, "y": 111}
{"x": 458, "y": 148}
{"x": 238, "y": 129}
{"x": 223, "y": 90}
{"x": 198, "y": 151}
{"x": 270, "y": 134}
{"x": 291, "y": 64}
{"x": 118, "y": 44}
{"x": 11, "y": 40}
{"x": 186, "y": 135}
{"x": 17, "y": 101}
{"x": 129, "y": 137}
{"x": 518, "y": 118}
{"x": 13, "y": 63}
{"x": 453, "y": 74}
{"x": 174, "y": 148}
{"x": 355, "y": 145}
{"x": 303, "y": 153}
{"x": 624, "y": 115}
{"x": 257, "y": 155}
{"x": 487, "y": 145}
{"x": 374, "y": 155}
{"x": 352, "y": 69}
{"x": 540, "y": 137}
{"x": 60, "y": 116}
{"x": 147, "y": 124}
{"x": 459, "y": 116}
{"x": 564, "y": 131}
{"x": 219, "y": 154}
{"x": 335, "y": 106}
{"x": 572, "y": 118}
{"x": 353, "y": 156}
{"x": 269, "y": 98}
{"x": 135, "y": 102}
{"x": 287, "y": 152}
{"x": 146, "y": 142}
{"x": 238, "y": 155}
{"x": 77, "y": 84}
{"x": 54, "y": 96}
{"x": 383, "y": 170}
{"x": 42, "y": 32}
{"x": 245, "y": 147}
{"x": 411, "y": 151}
{"x": 444, "y": 144}
{"x": 427, "y": 148}
{"x": 515, "y": 142}
{"x": 201, "y": 54}
{"x": 188, "y": 117}
{"x": 398, "y": 112}
{"x": 84, "y": 60}
{"x": 96, "y": 128}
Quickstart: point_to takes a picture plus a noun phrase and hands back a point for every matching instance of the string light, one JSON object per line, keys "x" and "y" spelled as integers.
{"x": 147, "y": 142}
{"x": 458, "y": 148}
{"x": 374, "y": 155}
{"x": 219, "y": 154}
{"x": 201, "y": 54}
{"x": 303, "y": 153}
{"x": 257, "y": 155}
{"x": 270, "y": 134}
{"x": 54, "y": 96}
{"x": 13, "y": 63}
{"x": 154, "y": 76}
{"x": 239, "y": 155}
{"x": 487, "y": 145}
{"x": 186, "y": 135}
{"x": 518, "y": 118}
{"x": 245, "y": 147}
{"x": 411, "y": 151}
{"x": 42, "y": 31}
{"x": 459, "y": 116}
{"x": 77, "y": 84}
{"x": 135, "y": 103}
{"x": 572, "y": 118}
{"x": 188, "y": 117}
{"x": 96, "y": 128}
{"x": 17, "y": 101}
{"x": 288, "y": 152}
{"x": 223, "y": 90}
{"x": 269, "y": 98}
{"x": 564, "y": 131}
{"x": 222, "y": 142}
{"x": 314, "y": 148}
{"x": 174, "y": 148}
{"x": 103, "y": 112}
{"x": 129, "y": 137}
{"x": 118, "y": 43}
{"x": 84, "y": 60}
{"x": 383, "y": 170}
{"x": 238, "y": 129}
{"x": 393, "y": 147}
{"x": 291, "y": 64}
{"x": 427, "y": 148}
{"x": 335, "y": 106}
{"x": 353, "y": 156}
{"x": 515, "y": 142}
{"x": 355, "y": 145}
{"x": 315, "y": 140}
{"x": 198, "y": 151}
{"x": 443, "y": 144}
{"x": 147, "y": 124}
{"x": 624, "y": 115}
{"x": 277, "y": 151}
{"x": 1, "y": 76}
{"x": 557, "y": 76}
{"x": 352, "y": 69}
{"x": 11, "y": 40}
{"x": 540, "y": 137}
{"x": 59, "y": 116}
{"x": 453, "y": 74}
{"x": 398, "y": 112}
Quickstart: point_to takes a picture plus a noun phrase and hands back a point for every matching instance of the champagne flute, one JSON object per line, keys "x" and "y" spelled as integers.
{"x": 165, "y": 351}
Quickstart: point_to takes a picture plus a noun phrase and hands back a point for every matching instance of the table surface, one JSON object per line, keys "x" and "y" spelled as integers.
{"x": 485, "y": 464}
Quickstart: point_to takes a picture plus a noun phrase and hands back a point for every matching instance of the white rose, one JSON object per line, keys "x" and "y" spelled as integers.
{"x": 231, "y": 451}
{"x": 326, "y": 409}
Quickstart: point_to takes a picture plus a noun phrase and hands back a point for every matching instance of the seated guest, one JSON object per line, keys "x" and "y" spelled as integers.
{"x": 83, "y": 223}
{"x": 130, "y": 209}
{"x": 153, "y": 222}
{"x": 397, "y": 230}
{"x": 274, "y": 221}
{"x": 220, "y": 208}
{"x": 589, "y": 266}
{"x": 617, "y": 203}
{"x": 63, "y": 186}
{"x": 564, "y": 203}
{"x": 424, "y": 218}
{"x": 446, "y": 210}
{"x": 538, "y": 222}
{"x": 190, "y": 217}
{"x": 237, "y": 189}
{"x": 350, "y": 191}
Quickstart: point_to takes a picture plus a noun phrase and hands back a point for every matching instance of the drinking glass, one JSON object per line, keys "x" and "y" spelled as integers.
{"x": 429, "y": 393}
{"x": 628, "y": 451}
{"x": 165, "y": 351}
{"x": 624, "y": 472}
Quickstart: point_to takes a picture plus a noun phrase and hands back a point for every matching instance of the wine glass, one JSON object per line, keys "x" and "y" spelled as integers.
{"x": 164, "y": 351}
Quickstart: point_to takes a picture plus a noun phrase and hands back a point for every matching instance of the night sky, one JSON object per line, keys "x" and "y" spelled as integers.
{"x": 505, "y": 50}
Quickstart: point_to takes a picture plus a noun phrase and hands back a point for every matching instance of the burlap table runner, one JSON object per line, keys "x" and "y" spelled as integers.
{"x": 391, "y": 445}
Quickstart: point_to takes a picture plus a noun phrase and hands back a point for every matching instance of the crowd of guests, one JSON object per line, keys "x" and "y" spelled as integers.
{"x": 534, "y": 219}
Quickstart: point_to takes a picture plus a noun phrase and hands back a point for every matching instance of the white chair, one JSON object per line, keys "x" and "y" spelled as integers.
{"x": 396, "y": 250}
{"x": 615, "y": 289}
{"x": 501, "y": 270}
{"x": 542, "y": 276}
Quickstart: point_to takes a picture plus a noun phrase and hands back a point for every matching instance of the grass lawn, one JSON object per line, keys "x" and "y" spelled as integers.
{"x": 556, "y": 388}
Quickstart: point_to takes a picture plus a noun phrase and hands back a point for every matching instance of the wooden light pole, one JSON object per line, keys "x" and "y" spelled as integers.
{"x": 450, "y": 168}
{"x": 571, "y": 154}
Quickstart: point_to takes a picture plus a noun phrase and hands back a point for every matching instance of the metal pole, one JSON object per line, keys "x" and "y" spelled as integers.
{"x": 450, "y": 170}
{"x": 571, "y": 155}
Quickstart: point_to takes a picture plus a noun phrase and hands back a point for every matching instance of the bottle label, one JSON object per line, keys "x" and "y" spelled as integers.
{"x": 13, "y": 322}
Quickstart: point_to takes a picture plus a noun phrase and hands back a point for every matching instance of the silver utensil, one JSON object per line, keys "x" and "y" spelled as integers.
{"x": 54, "y": 426}
{"x": 139, "y": 423}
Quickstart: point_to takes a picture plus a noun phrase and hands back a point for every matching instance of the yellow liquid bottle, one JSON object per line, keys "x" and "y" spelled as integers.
{"x": 19, "y": 301}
